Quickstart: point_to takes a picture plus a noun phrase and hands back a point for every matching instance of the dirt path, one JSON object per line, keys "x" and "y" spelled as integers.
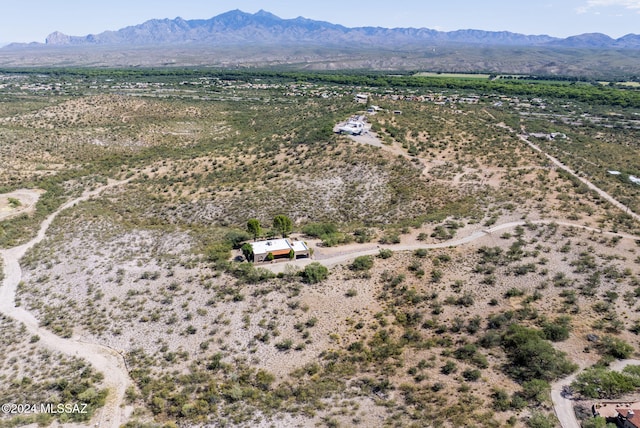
{"x": 563, "y": 403}
{"x": 104, "y": 359}
{"x": 589, "y": 184}
{"x": 372, "y": 139}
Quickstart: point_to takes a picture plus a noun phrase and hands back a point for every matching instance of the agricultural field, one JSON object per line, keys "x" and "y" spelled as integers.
{"x": 461, "y": 265}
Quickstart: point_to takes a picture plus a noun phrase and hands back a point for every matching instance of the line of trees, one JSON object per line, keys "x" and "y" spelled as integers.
{"x": 536, "y": 86}
{"x": 281, "y": 223}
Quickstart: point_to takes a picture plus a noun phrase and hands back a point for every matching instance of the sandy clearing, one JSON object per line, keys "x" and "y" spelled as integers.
{"x": 27, "y": 197}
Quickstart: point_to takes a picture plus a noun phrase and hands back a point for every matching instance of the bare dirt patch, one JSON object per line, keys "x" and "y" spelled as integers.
{"x": 22, "y": 201}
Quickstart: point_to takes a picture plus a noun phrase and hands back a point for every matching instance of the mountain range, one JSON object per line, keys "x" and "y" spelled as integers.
{"x": 237, "y": 28}
{"x": 262, "y": 40}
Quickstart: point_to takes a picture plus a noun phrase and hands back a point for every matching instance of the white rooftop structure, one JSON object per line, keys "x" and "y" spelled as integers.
{"x": 278, "y": 248}
{"x": 270, "y": 246}
{"x": 299, "y": 246}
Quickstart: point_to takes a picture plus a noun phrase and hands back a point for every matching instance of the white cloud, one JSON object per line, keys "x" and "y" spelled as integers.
{"x": 592, "y": 4}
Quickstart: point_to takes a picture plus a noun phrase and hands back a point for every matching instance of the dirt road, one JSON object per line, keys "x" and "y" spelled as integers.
{"x": 337, "y": 255}
{"x": 104, "y": 359}
{"x": 372, "y": 139}
{"x": 586, "y": 182}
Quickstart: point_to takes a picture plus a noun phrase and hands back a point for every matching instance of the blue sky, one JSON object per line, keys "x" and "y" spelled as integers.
{"x": 33, "y": 20}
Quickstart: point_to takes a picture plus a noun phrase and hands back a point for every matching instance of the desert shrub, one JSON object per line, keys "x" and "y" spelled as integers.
{"x": 535, "y": 391}
{"x": 421, "y": 252}
{"x": 352, "y": 292}
{"x": 219, "y": 251}
{"x": 597, "y": 422}
{"x": 314, "y": 273}
{"x": 285, "y": 345}
{"x": 363, "y": 235}
{"x": 513, "y": 292}
{"x": 449, "y": 367}
{"x": 389, "y": 239}
{"x": 247, "y": 273}
{"x": 501, "y": 401}
{"x": 385, "y": 253}
{"x": 471, "y": 375}
{"x": 317, "y": 230}
{"x": 558, "y": 329}
{"x": 614, "y": 347}
{"x": 328, "y": 233}
{"x": 465, "y": 300}
{"x": 540, "y": 420}
{"x": 362, "y": 263}
{"x": 236, "y": 237}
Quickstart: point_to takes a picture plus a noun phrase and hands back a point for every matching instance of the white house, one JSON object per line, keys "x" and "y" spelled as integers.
{"x": 278, "y": 248}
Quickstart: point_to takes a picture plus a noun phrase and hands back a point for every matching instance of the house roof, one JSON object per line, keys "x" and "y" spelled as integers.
{"x": 271, "y": 246}
{"x": 631, "y": 415}
{"x": 299, "y": 246}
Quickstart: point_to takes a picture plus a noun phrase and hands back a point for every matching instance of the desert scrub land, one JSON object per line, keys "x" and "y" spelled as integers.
{"x": 476, "y": 333}
{"x": 31, "y": 374}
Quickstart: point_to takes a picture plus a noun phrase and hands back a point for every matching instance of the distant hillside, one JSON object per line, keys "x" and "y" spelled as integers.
{"x": 237, "y": 28}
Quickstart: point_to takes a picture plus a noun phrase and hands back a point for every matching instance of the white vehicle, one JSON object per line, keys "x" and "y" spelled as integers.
{"x": 352, "y": 127}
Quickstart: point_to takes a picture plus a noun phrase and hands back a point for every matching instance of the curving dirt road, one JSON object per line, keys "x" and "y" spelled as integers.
{"x": 103, "y": 359}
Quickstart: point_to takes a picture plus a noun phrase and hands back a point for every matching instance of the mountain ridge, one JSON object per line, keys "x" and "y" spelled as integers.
{"x": 236, "y": 27}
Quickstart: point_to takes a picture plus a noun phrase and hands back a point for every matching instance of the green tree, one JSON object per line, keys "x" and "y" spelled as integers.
{"x": 253, "y": 226}
{"x": 283, "y": 224}
{"x": 600, "y": 382}
{"x": 236, "y": 237}
{"x": 597, "y": 422}
{"x": 247, "y": 251}
{"x": 533, "y": 357}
